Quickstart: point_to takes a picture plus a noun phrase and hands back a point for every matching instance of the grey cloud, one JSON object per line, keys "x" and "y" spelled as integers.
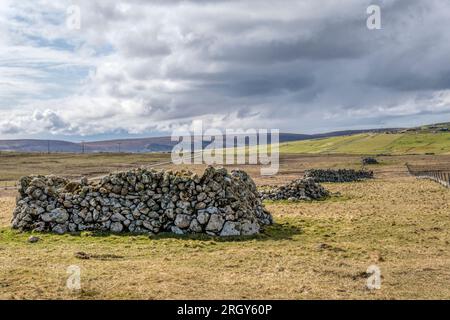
{"x": 410, "y": 81}
{"x": 271, "y": 67}
{"x": 300, "y": 65}
{"x": 259, "y": 86}
{"x": 50, "y": 120}
{"x": 331, "y": 42}
{"x": 9, "y": 128}
{"x": 143, "y": 44}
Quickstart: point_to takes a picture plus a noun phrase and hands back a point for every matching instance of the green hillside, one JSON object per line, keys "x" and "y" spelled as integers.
{"x": 375, "y": 143}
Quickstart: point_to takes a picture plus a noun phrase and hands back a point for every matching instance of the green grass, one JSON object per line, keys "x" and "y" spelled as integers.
{"x": 374, "y": 143}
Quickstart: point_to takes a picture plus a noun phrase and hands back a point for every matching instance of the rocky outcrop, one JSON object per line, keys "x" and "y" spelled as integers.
{"x": 297, "y": 190}
{"x": 340, "y": 175}
{"x": 143, "y": 201}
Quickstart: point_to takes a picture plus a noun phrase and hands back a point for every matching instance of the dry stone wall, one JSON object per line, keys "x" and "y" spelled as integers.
{"x": 340, "y": 175}
{"x": 143, "y": 201}
{"x": 297, "y": 190}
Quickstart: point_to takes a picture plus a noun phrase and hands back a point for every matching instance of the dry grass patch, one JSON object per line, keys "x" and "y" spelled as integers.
{"x": 315, "y": 250}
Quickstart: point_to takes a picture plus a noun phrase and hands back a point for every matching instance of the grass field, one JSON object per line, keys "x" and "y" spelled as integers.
{"x": 374, "y": 143}
{"x": 314, "y": 250}
{"x": 15, "y": 165}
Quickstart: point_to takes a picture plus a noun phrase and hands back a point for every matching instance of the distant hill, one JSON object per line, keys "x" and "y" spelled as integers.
{"x": 433, "y": 138}
{"x": 142, "y": 145}
{"x": 156, "y": 144}
{"x": 30, "y": 145}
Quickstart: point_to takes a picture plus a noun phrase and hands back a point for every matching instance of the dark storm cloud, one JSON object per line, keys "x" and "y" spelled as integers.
{"x": 332, "y": 41}
{"x": 288, "y": 60}
{"x": 262, "y": 86}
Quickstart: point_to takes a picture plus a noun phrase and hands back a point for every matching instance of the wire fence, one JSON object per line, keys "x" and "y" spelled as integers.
{"x": 421, "y": 172}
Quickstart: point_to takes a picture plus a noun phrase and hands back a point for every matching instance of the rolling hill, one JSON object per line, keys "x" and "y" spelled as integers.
{"x": 409, "y": 142}
{"x": 433, "y": 138}
{"x": 141, "y": 145}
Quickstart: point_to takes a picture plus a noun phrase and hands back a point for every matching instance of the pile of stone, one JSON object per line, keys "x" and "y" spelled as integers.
{"x": 143, "y": 201}
{"x": 369, "y": 160}
{"x": 340, "y": 175}
{"x": 297, "y": 190}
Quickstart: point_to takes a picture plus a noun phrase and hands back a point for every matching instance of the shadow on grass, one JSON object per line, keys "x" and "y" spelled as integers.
{"x": 333, "y": 197}
{"x": 275, "y": 232}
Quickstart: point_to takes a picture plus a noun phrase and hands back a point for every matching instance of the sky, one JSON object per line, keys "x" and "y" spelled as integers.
{"x": 146, "y": 68}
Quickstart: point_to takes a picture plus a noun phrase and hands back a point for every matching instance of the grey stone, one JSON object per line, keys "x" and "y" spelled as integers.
{"x": 117, "y": 217}
{"x": 195, "y": 226}
{"x": 83, "y": 181}
{"x": 89, "y": 217}
{"x": 39, "y": 226}
{"x": 212, "y": 210}
{"x": 176, "y": 230}
{"x": 147, "y": 225}
{"x": 215, "y": 223}
{"x": 249, "y": 228}
{"x": 72, "y": 227}
{"x": 39, "y": 211}
{"x": 33, "y": 239}
{"x": 96, "y": 214}
{"x": 76, "y": 219}
{"x": 116, "y": 227}
{"x": 183, "y": 221}
{"x": 200, "y": 205}
{"x": 230, "y": 228}
{"x": 202, "y": 217}
{"x": 57, "y": 215}
{"x": 60, "y": 229}
{"x": 84, "y": 203}
{"x": 202, "y": 196}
